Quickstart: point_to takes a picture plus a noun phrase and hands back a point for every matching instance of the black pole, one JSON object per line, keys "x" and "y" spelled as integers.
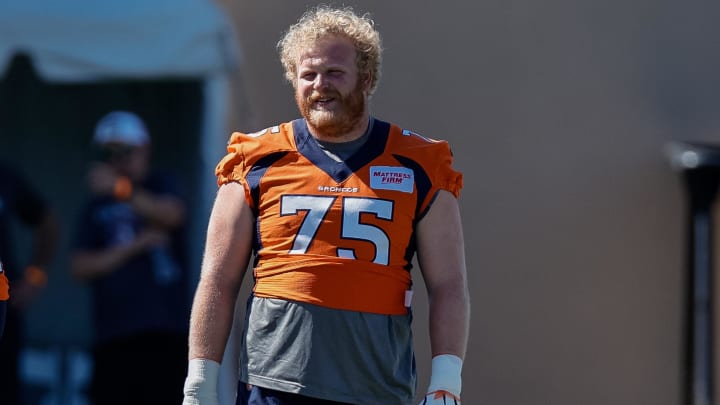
{"x": 700, "y": 166}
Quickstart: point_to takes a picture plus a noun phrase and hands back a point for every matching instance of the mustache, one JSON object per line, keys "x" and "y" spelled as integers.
{"x": 315, "y": 96}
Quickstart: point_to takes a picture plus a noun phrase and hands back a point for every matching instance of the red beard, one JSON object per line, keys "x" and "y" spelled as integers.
{"x": 345, "y": 116}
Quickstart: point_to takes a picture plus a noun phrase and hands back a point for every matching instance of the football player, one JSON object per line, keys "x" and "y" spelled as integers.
{"x": 334, "y": 206}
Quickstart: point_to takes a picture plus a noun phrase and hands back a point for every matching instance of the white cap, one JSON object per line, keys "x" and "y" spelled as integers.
{"x": 121, "y": 127}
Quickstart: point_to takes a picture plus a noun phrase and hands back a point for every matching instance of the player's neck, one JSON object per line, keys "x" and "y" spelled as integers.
{"x": 355, "y": 133}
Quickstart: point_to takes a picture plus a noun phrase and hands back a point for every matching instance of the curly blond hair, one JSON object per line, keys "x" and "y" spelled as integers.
{"x": 324, "y": 21}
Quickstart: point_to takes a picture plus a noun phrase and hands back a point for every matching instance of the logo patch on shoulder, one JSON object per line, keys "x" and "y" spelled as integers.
{"x": 392, "y": 178}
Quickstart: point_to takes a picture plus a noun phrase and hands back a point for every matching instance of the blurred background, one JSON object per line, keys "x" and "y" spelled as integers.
{"x": 558, "y": 113}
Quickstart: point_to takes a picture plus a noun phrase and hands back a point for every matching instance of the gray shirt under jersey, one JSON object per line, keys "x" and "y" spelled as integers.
{"x": 340, "y": 151}
{"x": 344, "y": 356}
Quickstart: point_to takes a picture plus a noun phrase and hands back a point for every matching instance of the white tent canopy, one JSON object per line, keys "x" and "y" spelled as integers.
{"x": 88, "y": 40}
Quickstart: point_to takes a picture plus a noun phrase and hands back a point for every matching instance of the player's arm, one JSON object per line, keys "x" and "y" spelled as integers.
{"x": 441, "y": 255}
{"x": 165, "y": 211}
{"x": 37, "y": 214}
{"x": 44, "y": 244}
{"x": 34, "y": 212}
{"x": 90, "y": 264}
{"x": 227, "y": 251}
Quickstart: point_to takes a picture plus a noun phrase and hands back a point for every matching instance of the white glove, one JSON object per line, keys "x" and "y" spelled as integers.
{"x": 201, "y": 382}
{"x": 445, "y": 381}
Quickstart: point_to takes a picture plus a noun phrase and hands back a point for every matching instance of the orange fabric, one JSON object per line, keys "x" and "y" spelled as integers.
{"x": 345, "y": 244}
{"x": 4, "y": 287}
{"x": 335, "y": 284}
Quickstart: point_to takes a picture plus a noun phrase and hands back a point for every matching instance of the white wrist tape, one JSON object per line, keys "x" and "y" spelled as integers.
{"x": 445, "y": 374}
{"x": 201, "y": 382}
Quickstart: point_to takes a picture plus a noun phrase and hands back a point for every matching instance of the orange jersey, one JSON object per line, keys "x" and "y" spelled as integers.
{"x": 337, "y": 234}
{"x": 4, "y": 286}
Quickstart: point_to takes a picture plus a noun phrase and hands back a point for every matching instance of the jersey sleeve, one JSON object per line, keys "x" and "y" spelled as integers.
{"x": 231, "y": 166}
{"x": 244, "y": 151}
{"x": 431, "y": 160}
{"x": 438, "y": 162}
{"x": 447, "y": 178}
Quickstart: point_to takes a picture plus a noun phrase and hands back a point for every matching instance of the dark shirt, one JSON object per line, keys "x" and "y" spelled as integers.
{"x": 149, "y": 293}
{"x": 18, "y": 201}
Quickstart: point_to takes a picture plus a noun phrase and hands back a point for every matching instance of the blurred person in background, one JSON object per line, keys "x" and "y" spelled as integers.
{"x": 21, "y": 202}
{"x": 335, "y": 205}
{"x": 130, "y": 248}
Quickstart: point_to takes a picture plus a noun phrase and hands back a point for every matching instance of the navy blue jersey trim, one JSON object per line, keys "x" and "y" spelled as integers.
{"x": 253, "y": 179}
{"x": 410, "y": 251}
{"x": 422, "y": 180}
{"x": 256, "y": 173}
{"x": 422, "y": 185}
{"x": 341, "y": 171}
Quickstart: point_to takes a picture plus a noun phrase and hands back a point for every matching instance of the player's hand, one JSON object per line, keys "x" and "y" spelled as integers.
{"x": 445, "y": 381}
{"x": 440, "y": 397}
{"x": 193, "y": 400}
{"x": 201, "y": 383}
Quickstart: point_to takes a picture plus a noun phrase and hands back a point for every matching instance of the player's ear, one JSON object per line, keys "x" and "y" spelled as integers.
{"x": 366, "y": 80}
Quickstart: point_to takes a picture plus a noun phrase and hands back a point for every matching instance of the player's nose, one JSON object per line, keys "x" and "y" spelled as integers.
{"x": 321, "y": 82}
